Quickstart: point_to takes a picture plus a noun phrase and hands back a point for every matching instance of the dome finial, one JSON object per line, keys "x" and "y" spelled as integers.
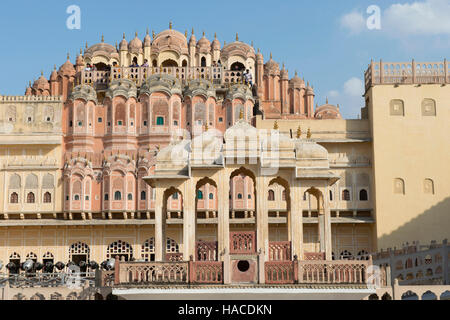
{"x": 103, "y": 38}
{"x": 147, "y": 31}
{"x": 54, "y": 67}
{"x": 237, "y": 36}
{"x": 68, "y": 56}
{"x": 271, "y": 55}
{"x": 308, "y": 134}
{"x": 136, "y": 34}
{"x": 124, "y": 36}
{"x": 296, "y": 74}
{"x": 42, "y": 73}
{"x": 206, "y": 127}
{"x": 326, "y": 101}
{"x": 192, "y": 30}
{"x": 241, "y": 114}
{"x": 299, "y": 132}
{"x": 170, "y": 25}
{"x": 86, "y": 45}
{"x": 185, "y": 33}
{"x": 275, "y": 125}
{"x": 215, "y": 35}
{"x": 203, "y": 33}
{"x": 153, "y": 34}
{"x": 81, "y": 51}
{"x": 252, "y": 43}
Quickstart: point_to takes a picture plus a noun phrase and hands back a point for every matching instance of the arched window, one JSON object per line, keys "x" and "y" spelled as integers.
{"x": 331, "y": 195}
{"x": 239, "y": 195}
{"x": 106, "y": 197}
{"x": 172, "y": 246}
{"x": 203, "y": 62}
{"x": 271, "y": 196}
{"x": 283, "y": 195}
{"x": 346, "y": 255}
{"x": 199, "y": 195}
{"x": 117, "y": 195}
{"x": 155, "y": 64}
{"x": 211, "y": 196}
{"x": 30, "y": 197}
{"x": 175, "y": 196}
{"x": 143, "y": 195}
{"x": 160, "y": 121}
{"x": 47, "y": 197}
{"x": 399, "y": 186}
{"x": 305, "y": 195}
{"x": 428, "y": 186}
{"x": 363, "y": 195}
{"x": 346, "y": 195}
{"x": 76, "y": 197}
{"x": 130, "y": 196}
{"x": 184, "y": 63}
{"x": 14, "y": 198}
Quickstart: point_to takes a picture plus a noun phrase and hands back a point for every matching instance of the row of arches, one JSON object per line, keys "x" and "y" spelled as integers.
{"x": 30, "y": 198}
{"x": 397, "y": 107}
{"x": 400, "y": 186}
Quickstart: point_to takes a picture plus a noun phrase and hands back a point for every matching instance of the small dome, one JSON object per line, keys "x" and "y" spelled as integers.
{"x": 54, "y": 75}
{"x": 41, "y": 83}
{"x": 215, "y": 45}
{"x": 67, "y": 68}
{"x": 259, "y": 56}
{"x": 327, "y": 111}
{"x": 284, "y": 74}
{"x": 193, "y": 39}
{"x": 203, "y": 43}
{"x": 123, "y": 44}
{"x": 135, "y": 45}
{"x": 309, "y": 90}
{"x": 147, "y": 40}
{"x": 271, "y": 66}
{"x": 297, "y": 82}
{"x": 80, "y": 60}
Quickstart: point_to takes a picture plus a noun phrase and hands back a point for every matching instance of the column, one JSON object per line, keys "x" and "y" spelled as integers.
{"x": 160, "y": 221}
{"x": 189, "y": 221}
{"x": 223, "y": 236}
{"x": 262, "y": 226}
{"x": 296, "y": 220}
{"x": 327, "y": 223}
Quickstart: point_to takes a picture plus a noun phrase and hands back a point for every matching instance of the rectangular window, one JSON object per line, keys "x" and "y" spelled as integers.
{"x": 100, "y": 120}
{"x": 175, "y": 123}
{"x": 119, "y": 123}
{"x": 80, "y": 123}
{"x": 160, "y": 121}
{"x": 145, "y": 123}
{"x": 220, "y": 119}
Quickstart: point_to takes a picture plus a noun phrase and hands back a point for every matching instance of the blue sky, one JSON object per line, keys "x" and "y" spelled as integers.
{"x": 327, "y": 42}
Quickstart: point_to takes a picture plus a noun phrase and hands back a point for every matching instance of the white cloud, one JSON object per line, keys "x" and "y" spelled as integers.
{"x": 354, "y": 87}
{"x": 333, "y": 93}
{"x": 354, "y": 22}
{"x": 429, "y": 17}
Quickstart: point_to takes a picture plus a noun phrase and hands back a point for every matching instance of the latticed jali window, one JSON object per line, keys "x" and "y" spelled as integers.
{"x": 172, "y": 246}
{"x": 79, "y": 248}
{"x": 148, "y": 250}
{"x": 119, "y": 248}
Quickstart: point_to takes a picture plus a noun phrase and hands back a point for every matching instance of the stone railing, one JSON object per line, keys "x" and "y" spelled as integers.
{"x": 314, "y": 256}
{"x": 206, "y": 272}
{"x": 336, "y": 271}
{"x": 151, "y": 273}
{"x": 174, "y": 257}
{"x": 281, "y": 272}
{"x": 243, "y": 242}
{"x": 407, "y": 73}
{"x": 280, "y": 251}
{"x": 206, "y": 250}
{"x": 139, "y": 74}
{"x": 316, "y": 272}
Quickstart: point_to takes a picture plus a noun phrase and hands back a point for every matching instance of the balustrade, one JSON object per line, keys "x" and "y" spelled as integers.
{"x": 152, "y": 272}
{"x": 206, "y": 251}
{"x": 243, "y": 242}
{"x": 407, "y": 73}
{"x": 140, "y": 74}
{"x": 280, "y": 251}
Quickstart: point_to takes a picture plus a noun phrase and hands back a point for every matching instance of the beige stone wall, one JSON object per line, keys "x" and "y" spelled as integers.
{"x": 412, "y": 147}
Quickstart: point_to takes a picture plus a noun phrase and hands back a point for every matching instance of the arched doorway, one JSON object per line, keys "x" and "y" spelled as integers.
{"x": 206, "y": 208}
{"x": 169, "y": 63}
{"x": 279, "y": 208}
{"x": 173, "y": 219}
{"x": 315, "y": 232}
